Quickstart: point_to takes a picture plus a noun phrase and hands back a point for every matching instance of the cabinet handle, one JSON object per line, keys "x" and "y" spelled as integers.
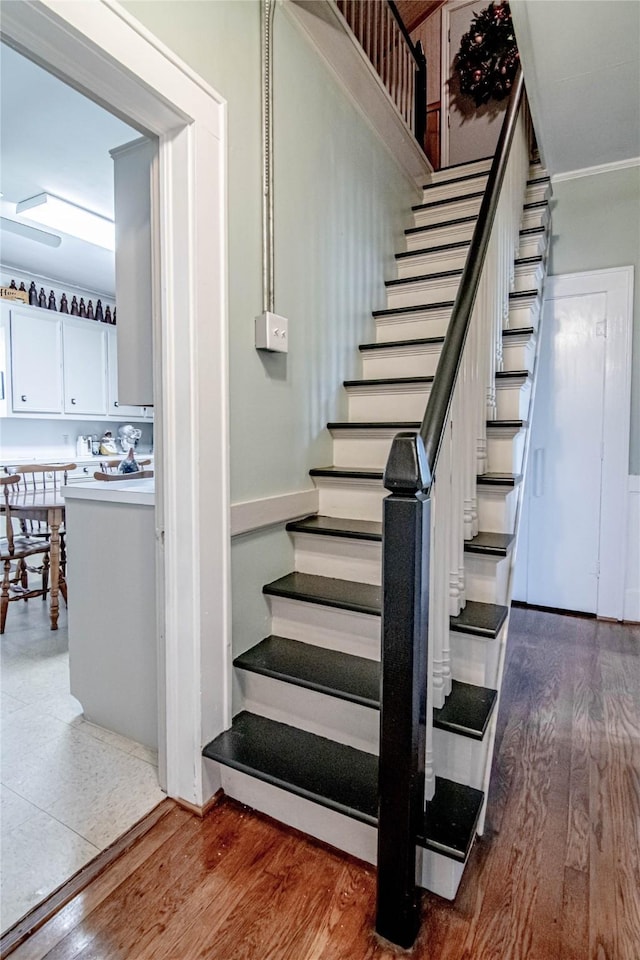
{"x": 115, "y": 403}
{"x": 73, "y": 400}
{"x": 24, "y": 398}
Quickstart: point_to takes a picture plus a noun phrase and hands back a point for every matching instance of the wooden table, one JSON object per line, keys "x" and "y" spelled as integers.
{"x": 48, "y": 506}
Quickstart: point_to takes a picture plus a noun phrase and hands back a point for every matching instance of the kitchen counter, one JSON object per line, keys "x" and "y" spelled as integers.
{"x": 111, "y": 581}
{"x": 140, "y": 492}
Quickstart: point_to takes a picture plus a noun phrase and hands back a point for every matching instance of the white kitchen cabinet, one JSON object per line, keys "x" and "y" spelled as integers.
{"x": 5, "y": 375}
{"x": 115, "y": 408}
{"x": 36, "y": 361}
{"x": 135, "y": 182}
{"x": 85, "y": 367}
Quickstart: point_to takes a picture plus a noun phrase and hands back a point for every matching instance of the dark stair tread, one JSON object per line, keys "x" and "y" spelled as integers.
{"x": 512, "y": 374}
{"x": 440, "y": 275}
{"x": 451, "y": 818}
{"x": 340, "y": 778}
{"x": 480, "y": 619}
{"x": 544, "y": 178}
{"x": 535, "y": 203}
{"x": 466, "y": 710}
{"x": 460, "y": 179}
{"x": 409, "y": 424}
{"x": 443, "y": 246}
{"x": 326, "y": 671}
{"x": 441, "y": 203}
{"x": 529, "y": 231}
{"x": 442, "y": 223}
{"x": 498, "y": 479}
{"x": 424, "y": 308}
{"x": 517, "y": 331}
{"x": 416, "y": 342}
{"x": 521, "y": 261}
{"x": 327, "y": 591}
{"x": 338, "y": 527}
{"x": 332, "y": 774}
{"x": 490, "y": 544}
{"x": 353, "y": 473}
{"x": 388, "y": 381}
{"x": 523, "y": 294}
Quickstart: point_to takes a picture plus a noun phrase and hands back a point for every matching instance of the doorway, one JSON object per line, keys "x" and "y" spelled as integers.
{"x": 571, "y": 553}
{"x": 106, "y": 54}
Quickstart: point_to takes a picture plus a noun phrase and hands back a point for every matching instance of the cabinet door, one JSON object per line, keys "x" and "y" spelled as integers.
{"x": 36, "y": 361}
{"x": 85, "y": 368}
{"x": 116, "y": 409}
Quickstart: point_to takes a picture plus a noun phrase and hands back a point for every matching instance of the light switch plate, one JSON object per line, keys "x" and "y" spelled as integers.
{"x": 272, "y": 332}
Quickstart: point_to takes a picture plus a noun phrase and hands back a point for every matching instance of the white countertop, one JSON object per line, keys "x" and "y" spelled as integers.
{"x": 141, "y": 492}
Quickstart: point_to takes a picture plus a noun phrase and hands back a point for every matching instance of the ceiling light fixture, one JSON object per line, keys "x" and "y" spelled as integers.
{"x": 31, "y": 233}
{"x": 68, "y": 218}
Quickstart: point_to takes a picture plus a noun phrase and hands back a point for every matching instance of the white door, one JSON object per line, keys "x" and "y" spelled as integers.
{"x": 472, "y": 131}
{"x": 565, "y": 460}
{"x": 571, "y": 553}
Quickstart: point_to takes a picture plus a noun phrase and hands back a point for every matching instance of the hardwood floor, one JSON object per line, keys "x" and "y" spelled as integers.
{"x": 556, "y": 876}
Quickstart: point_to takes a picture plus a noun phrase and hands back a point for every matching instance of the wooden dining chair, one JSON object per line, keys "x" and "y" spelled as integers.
{"x": 45, "y": 476}
{"x": 111, "y": 466}
{"x": 138, "y": 475}
{"x": 16, "y": 551}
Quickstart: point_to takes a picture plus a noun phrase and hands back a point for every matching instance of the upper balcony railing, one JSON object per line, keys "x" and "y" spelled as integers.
{"x": 400, "y": 64}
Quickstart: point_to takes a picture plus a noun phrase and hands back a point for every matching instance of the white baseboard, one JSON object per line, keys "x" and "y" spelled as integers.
{"x": 632, "y": 576}
{"x": 255, "y": 514}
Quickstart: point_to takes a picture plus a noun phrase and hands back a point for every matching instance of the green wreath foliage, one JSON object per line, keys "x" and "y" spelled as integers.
{"x": 488, "y": 57}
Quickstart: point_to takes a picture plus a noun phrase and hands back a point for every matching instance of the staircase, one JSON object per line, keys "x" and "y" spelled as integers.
{"x": 304, "y": 749}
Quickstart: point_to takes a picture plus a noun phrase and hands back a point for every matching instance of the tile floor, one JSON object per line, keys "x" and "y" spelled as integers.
{"x": 68, "y": 788}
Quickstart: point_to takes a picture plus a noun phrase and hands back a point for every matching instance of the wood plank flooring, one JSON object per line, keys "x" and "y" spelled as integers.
{"x": 555, "y": 877}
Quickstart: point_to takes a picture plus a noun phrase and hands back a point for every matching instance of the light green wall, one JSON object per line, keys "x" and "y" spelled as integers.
{"x": 596, "y": 224}
{"x": 341, "y": 204}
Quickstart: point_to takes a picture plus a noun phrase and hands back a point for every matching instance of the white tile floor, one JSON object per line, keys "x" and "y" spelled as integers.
{"x": 68, "y": 789}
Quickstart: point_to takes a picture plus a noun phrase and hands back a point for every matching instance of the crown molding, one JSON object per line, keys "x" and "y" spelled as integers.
{"x": 594, "y": 171}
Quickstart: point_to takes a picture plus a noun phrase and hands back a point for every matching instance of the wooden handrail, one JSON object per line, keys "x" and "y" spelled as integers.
{"x": 444, "y": 382}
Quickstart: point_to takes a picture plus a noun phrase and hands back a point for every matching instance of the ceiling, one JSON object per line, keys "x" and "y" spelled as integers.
{"x": 581, "y": 61}
{"x": 55, "y": 140}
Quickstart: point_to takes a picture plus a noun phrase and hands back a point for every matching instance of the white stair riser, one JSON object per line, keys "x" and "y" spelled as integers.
{"x": 504, "y": 454}
{"x": 459, "y": 758}
{"x": 348, "y": 498}
{"x": 536, "y": 217}
{"x": 419, "y": 292}
{"x": 496, "y": 508}
{"x": 413, "y": 326}
{"x": 465, "y": 170}
{"x": 434, "y": 871}
{"x": 438, "y": 236}
{"x": 344, "y": 630}
{"x": 486, "y": 578}
{"x": 435, "y": 262}
{"x": 512, "y": 400}
{"x": 518, "y": 355}
{"x": 505, "y": 450}
{"x": 473, "y": 659}
{"x": 524, "y": 313}
{"x": 446, "y": 211}
{"x": 539, "y": 190}
{"x": 447, "y": 191}
{"x": 326, "y": 716}
{"x": 528, "y": 277}
{"x": 414, "y": 361}
{"x": 532, "y": 245}
{"x": 402, "y": 403}
{"x": 338, "y": 557}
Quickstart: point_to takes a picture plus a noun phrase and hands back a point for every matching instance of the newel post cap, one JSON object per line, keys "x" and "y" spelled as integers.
{"x": 407, "y": 471}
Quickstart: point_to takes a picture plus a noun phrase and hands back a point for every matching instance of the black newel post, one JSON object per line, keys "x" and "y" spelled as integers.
{"x": 421, "y": 93}
{"x": 405, "y": 610}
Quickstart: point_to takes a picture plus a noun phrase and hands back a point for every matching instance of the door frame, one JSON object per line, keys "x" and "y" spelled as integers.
{"x": 106, "y": 54}
{"x": 444, "y": 75}
{"x": 617, "y": 285}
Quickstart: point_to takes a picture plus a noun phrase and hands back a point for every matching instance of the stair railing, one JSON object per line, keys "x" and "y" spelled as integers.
{"x": 400, "y": 64}
{"x": 431, "y": 509}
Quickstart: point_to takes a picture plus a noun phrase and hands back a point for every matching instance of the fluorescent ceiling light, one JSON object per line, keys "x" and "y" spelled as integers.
{"x": 69, "y": 218}
{"x": 31, "y": 233}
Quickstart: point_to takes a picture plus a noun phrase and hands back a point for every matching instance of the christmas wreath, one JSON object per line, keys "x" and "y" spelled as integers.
{"x": 488, "y": 57}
